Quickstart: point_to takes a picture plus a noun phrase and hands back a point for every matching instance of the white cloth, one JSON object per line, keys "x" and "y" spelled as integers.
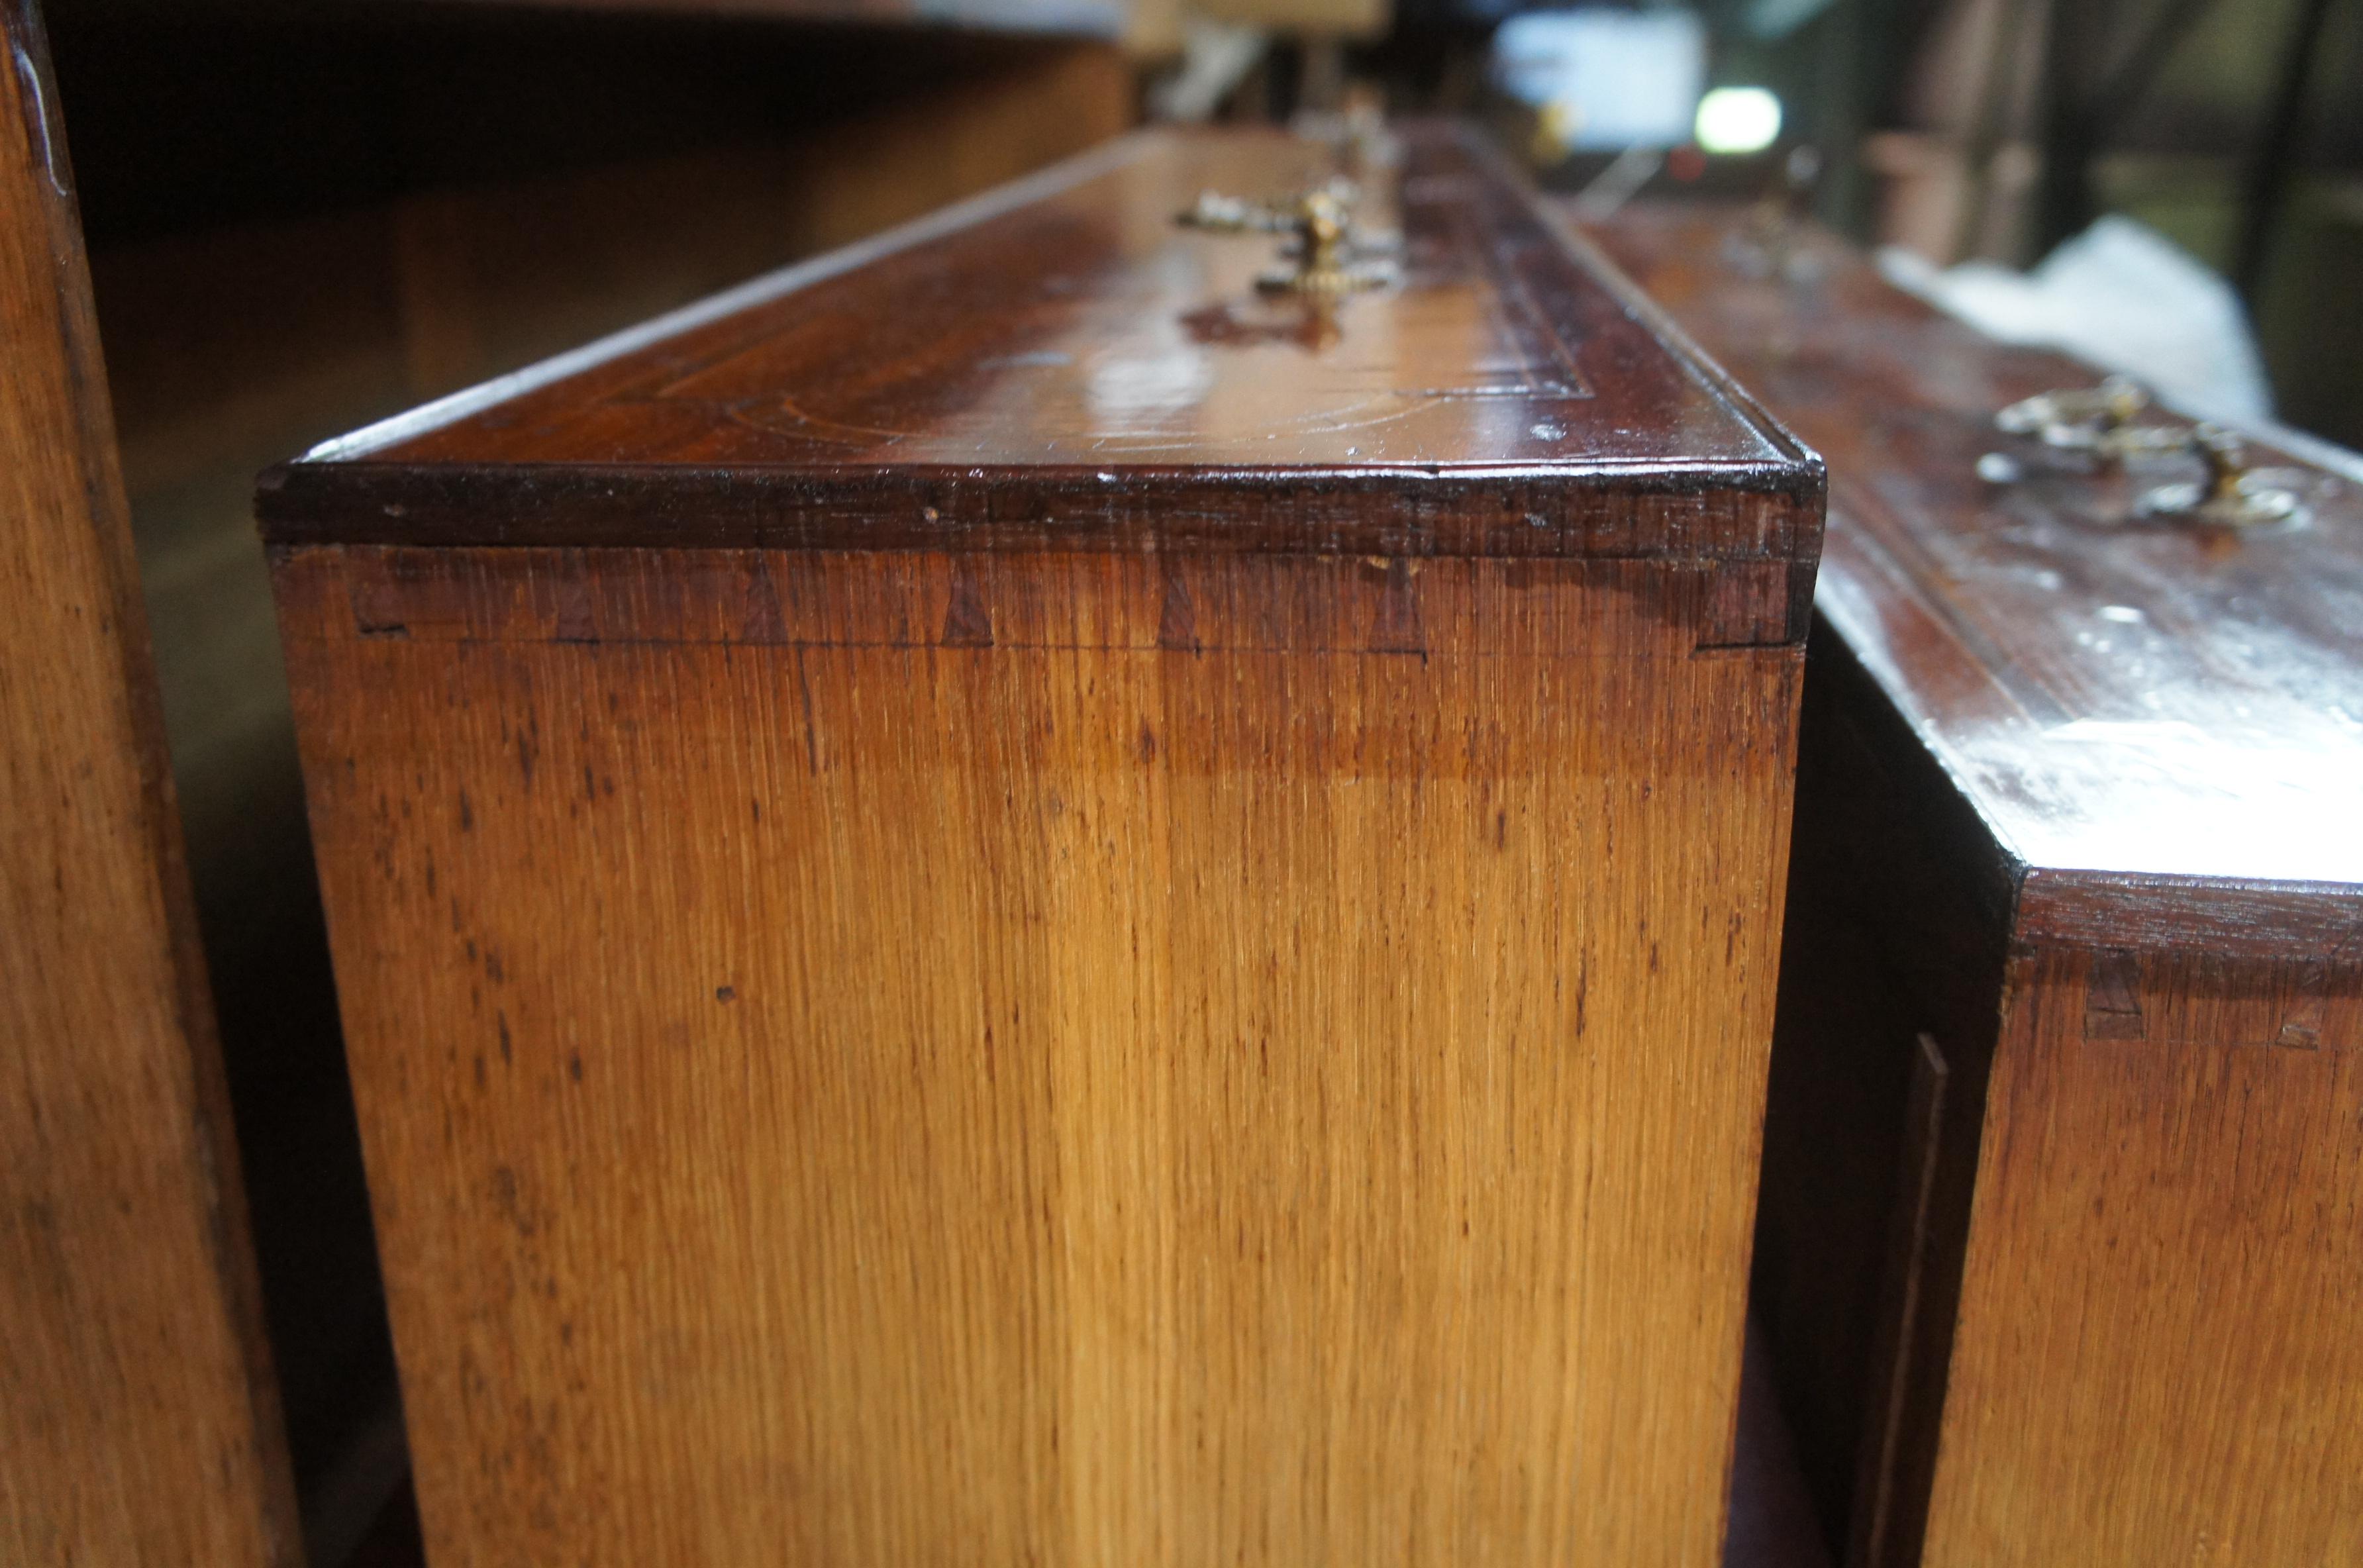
{"x": 2123, "y": 296}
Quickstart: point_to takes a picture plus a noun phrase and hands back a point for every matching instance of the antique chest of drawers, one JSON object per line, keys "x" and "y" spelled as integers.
{"x": 2063, "y": 1192}
{"x": 1014, "y": 899}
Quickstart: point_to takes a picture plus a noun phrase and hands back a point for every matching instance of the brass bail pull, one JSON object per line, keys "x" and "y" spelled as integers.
{"x": 2230, "y": 495}
{"x": 2078, "y": 418}
{"x": 1327, "y": 258}
{"x": 2100, "y": 422}
{"x": 2226, "y": 459}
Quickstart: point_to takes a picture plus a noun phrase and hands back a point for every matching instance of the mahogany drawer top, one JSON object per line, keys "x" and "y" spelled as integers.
{"x": 2159, "y": 724}
{"x": 1060, "y": 364}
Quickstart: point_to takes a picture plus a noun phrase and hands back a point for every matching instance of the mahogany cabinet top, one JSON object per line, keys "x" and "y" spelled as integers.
{"x": 2160, "y": 725}
{"x": 1060, "y": 364}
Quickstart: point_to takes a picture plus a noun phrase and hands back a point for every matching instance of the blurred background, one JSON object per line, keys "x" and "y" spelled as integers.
{"x": 304, "y": 216}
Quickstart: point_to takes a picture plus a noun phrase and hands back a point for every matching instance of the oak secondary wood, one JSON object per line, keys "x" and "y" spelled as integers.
{"x": 137, "y": 1422}
{"x": 1157, "y": 1018}
{"x": 2078, "y": 799}
{"x": 250, "y": 332}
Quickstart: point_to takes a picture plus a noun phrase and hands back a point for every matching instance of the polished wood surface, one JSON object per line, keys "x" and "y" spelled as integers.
{"x": 1062, "y": 366}
{"x": 2077, "y": 821}
{"x": 2119, "y": 698}
{"x": 140, "y": 1425}
{"x": 1207, "y": 1030}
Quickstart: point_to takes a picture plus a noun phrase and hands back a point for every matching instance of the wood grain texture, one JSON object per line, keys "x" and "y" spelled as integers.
{"x": 993, "y": 908}
{"x": 2166, "y": 1227}
{"x": 265, "y": 287}
{"x": 891, "y": 1057}
{"x": 2142, "y": 961}
{"x": 1773, "y": 1523}
{"x": 140, "y": 1426}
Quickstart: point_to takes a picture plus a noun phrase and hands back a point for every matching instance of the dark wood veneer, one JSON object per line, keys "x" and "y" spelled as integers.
{"x": 2118, "y": 700}
{"x": 1058, "y": 366}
